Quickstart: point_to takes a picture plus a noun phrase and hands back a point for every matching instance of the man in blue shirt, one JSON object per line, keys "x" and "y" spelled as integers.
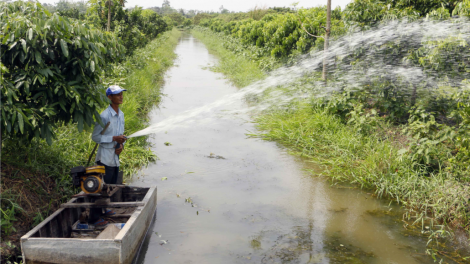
{"x": 108, "y": 152}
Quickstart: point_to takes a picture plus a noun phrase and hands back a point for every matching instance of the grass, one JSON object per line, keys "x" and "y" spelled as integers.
{"x": 237, "y": 68}
{"x": 371, "y": 161}
{"x": 35, "y": 176}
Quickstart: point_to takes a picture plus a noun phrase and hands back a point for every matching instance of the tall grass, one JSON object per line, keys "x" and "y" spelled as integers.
{"x": 371, "y": 161}
{"x": 237, "y": 68}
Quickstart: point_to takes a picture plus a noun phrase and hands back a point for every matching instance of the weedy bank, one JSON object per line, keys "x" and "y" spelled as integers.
{"x": 35, "y": 175}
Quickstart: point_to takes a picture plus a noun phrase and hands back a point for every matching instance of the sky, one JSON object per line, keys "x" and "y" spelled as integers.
{"x": 232, "y": 5}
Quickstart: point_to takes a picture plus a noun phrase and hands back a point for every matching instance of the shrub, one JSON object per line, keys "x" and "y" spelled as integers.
{"x": 51, "y": 70}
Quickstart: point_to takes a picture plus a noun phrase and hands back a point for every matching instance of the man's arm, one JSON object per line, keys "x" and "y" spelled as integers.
{"x": 119, "y": 150}
{"x": 97, "y": 137}
{"x": 121, "y": 128}
{"x": 123, "y": 137}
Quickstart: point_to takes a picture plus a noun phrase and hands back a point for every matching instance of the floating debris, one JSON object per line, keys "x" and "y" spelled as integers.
{"x": 213, "y": 156}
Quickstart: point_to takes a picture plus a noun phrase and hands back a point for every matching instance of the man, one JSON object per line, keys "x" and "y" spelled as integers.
{"x": 108, "y": 152}
{"x": 111, "y": 144}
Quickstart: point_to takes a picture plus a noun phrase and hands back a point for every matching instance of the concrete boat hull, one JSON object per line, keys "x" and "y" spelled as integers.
{"x": 47, "y": 242}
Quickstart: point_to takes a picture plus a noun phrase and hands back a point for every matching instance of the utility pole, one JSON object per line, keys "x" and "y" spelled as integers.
{"x": 327, "y": 37}
{"x": 110, "y": 3}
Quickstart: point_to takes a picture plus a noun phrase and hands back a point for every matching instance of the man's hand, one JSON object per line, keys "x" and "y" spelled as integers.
{"x": 119, "y": 150}
{"x": 119, "y": 139}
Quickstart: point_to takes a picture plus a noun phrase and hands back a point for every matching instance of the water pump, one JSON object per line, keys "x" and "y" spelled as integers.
{"x": 89, "y": 179}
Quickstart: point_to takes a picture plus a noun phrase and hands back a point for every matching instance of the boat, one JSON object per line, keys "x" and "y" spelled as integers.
{"x": 56, "y": 239}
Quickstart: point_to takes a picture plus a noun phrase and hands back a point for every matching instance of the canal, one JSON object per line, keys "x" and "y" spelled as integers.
{"x": 224, "y": 197}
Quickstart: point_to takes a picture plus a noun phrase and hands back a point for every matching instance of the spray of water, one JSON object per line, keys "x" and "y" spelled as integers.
{"x": 356, "y": 60}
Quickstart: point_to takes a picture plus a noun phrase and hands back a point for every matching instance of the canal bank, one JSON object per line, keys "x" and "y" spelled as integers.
{"x": 227, "y": 198}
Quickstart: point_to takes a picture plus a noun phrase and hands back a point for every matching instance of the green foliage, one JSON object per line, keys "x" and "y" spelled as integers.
{"x": 229, "y": 17}
{"x": 8, "y": 211}
{"x": 442, "y": 57}
{"x": 367, "y": 13}
{"x": 282, "y": 10}
{"x": 249, "y": 52}
{"x": 187, "y": 22}
{"x": 177, "y": 18}
{"x": 427, "y": 146}
{"x": 168, "y": 21}
{"x": 338, "y": 104}
{"x": 135, "y": 27}
{"x": 462, "y": 9}
{"x": 438, "y": 14}
{"x": 458, "y": 163}
{"x": 142, "y": 74}
{"x": 281, "y": 35}
{"x": 199, "y": 17}
{"x": 364, "y": 121}
{"x": 51, "y": 70}
{"x": 72, "y": 9}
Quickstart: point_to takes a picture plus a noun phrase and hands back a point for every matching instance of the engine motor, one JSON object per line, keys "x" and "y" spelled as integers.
{"x": 89, "y": 179}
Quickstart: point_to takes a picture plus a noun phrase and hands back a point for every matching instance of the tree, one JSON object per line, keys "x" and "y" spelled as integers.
{"x": 177, "y": 18}
{"x": 166, "y": 4}
{"x": 51, "y": 70}
{"x": 187, "y": 22}
{"x": 110, "y": 3}
{"x": 157, "y": 9}
{"x": 199, "y": 17}
{"x": 166, "y": 8}
{"x": 3, "y": 70}
{"x": 71, "y": 9}
{"x": 222, "y": 10}
{"x": 191, "y": 13}
{"x": 134, "y": 26}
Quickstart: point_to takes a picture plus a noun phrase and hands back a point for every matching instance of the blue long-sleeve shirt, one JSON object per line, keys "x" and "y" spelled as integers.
{"x": 106, "y": 151}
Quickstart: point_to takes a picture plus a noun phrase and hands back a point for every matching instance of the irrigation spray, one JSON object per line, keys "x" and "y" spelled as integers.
{"x": 356, "y": 60}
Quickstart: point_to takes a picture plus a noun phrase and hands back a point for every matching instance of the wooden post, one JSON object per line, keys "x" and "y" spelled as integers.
{"x": 327, "y": 37}
{"x": 414, "y": 95}
{"x": 109, "y": 15}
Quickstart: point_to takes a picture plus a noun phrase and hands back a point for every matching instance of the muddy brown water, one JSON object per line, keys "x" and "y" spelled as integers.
{"x": 228, "y": 198}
